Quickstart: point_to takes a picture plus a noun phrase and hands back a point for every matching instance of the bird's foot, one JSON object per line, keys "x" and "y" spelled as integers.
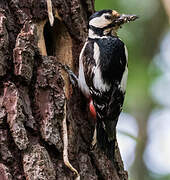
{"x": 73, "y": 78}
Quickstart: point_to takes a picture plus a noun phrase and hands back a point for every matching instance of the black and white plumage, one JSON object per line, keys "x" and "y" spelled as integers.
{"x": 103, "y": 73}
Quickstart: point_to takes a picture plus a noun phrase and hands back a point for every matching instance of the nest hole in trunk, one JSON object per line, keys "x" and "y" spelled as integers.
{"x": 58, "y": 42}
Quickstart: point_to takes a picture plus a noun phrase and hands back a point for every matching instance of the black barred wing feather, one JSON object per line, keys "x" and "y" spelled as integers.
{"x": 108, "y": 101}
{"x": 108, "y": 107}
{"x": 89, "y": 63}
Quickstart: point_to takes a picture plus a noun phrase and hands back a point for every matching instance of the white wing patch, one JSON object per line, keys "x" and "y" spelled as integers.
{"x": 81, "y": 79}
{"x": 98, "y": 80}
{"x": 125, "y": 74}
{"x": 126, "y": 53}
{"x": 124, "y": 80}
{"x": 96, "y": 54}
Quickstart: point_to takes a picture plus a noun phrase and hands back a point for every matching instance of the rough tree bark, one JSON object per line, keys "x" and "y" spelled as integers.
{"x": 36, "y": 97}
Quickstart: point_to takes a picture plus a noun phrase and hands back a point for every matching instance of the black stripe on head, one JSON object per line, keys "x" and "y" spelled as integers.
{"x": 99, "y": 13}
{"x": 97, "y": 31}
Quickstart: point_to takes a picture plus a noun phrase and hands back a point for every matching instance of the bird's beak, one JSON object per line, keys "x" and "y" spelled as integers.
{"x": 125, "y": 18}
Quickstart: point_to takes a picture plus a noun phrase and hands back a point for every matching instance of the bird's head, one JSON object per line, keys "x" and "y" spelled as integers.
{"x": 107, "y": 22}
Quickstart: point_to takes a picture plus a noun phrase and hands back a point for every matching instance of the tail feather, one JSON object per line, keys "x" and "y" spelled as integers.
{"x": 103, "y": 142}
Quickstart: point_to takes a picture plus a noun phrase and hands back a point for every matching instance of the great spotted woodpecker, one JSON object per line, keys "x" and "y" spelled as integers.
{"x": 103, "y": 70}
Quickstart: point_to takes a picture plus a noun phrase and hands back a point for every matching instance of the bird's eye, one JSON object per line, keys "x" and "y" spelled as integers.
{"x": 108, "y": 17}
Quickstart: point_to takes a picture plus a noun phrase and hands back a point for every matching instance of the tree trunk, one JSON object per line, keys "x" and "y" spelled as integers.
{"x": 38, "y": 106}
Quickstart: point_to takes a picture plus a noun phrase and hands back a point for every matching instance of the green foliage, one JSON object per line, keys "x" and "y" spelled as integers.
{"x": 137, "y": 85}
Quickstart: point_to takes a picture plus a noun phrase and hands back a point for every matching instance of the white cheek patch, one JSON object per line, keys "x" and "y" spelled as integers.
{"x": 99, "y": 22}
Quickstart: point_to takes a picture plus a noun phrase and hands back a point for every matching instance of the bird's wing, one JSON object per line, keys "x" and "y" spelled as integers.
{"x": 89, "y": 63}
{"x": 109, "y": 57}
{"x": 104, "y": 65}
{"x": 108, "y": 101}
{"x": 113, "y": 58}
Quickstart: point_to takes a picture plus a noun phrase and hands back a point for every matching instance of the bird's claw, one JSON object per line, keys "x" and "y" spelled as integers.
{"x": 73, "y": 78}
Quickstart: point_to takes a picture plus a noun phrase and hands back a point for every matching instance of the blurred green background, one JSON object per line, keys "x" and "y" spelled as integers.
{"x": 144, "y": 128}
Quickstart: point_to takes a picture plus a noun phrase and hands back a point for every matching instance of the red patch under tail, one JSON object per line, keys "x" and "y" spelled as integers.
{"x": 92, "y": 109}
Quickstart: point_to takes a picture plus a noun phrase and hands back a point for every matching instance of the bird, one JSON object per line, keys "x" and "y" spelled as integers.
{"x": 102, "y": 76}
